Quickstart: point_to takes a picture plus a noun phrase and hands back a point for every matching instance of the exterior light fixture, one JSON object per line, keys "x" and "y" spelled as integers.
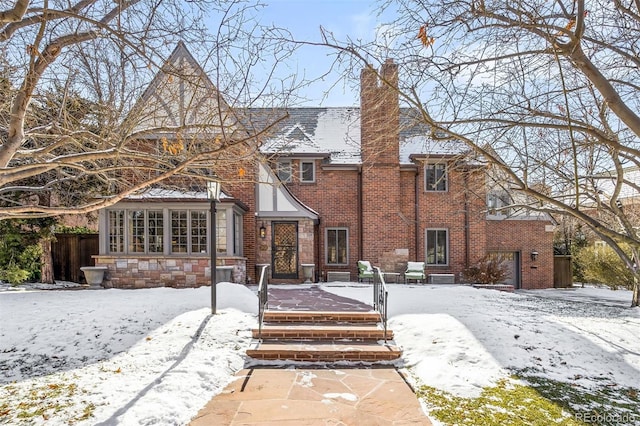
{"x": 213, "y": 193}
{"x": 263, "y": 231}
{"x": 534, "y": 255}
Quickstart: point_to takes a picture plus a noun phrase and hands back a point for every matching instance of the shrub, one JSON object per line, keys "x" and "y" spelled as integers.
{"x": 19, "y": 252}
{"x": 13, "y": 274}
{"x": 601, "y": 265}
{"x": 491, "y": 269}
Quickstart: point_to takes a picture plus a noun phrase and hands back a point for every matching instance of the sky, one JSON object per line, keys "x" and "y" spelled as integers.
{"x": 156, "y": 356}
{"x": 355, "y": 19}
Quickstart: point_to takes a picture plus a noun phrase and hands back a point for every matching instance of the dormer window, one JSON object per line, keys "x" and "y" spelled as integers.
{"x": 307, "y": 171}
{"x": 435, "y": 177}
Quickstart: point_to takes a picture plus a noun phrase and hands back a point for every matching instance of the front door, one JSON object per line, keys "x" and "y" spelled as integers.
{"x": 284, "y": 253}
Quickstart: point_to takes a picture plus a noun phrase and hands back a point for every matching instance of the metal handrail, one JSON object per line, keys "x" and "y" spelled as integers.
{"x": 380, "y": 297}
{"x": 263, "y": 298}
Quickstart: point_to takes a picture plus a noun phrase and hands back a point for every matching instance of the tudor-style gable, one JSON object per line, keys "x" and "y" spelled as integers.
{"x": 182, "y": 99}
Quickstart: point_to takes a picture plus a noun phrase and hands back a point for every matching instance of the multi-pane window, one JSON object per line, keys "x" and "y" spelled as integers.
{"x": 156, "y": 231}
{"x": 221, "y": 231}
{"x": 435, "y": 177}
{"x": 437, "y": 247}
{"x": 116, "y": 231}
{"x": 179, "y": 231}
{"x": 284, "y": 170}
{"x": 136, "y": 231}
{"x": 307, "y": 171}
{"x": 199, "y": 231}
{"x": 337, "y": 246}
{"x": 237, "y": 236}
{"x": 172, "y": 231}
{"x": 498, "y": 203}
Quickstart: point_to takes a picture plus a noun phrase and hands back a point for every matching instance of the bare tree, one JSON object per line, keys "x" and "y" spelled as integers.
{"x": 75, "y": 131}
{"x": 546, "y": 92}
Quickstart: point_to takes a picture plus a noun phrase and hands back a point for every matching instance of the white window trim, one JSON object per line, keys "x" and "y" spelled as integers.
{"x": 496, "y": 211}
{"x": 313, "y": 171}
{"x": 289, "y": 165}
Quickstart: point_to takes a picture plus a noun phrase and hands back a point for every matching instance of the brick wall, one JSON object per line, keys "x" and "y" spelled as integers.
{"x": 525, "y": 236}
{"x": 334, "y": 196}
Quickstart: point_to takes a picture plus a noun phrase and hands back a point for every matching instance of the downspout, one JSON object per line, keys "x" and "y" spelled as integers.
{"x": 360, "y": 216}
{"x": 466, "y": 220}
{"x": 317, "y": 276}
{"x": 416, "y": 222}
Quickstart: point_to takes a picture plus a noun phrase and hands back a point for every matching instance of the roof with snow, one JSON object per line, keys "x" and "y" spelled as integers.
{"x": 334, "y": 133}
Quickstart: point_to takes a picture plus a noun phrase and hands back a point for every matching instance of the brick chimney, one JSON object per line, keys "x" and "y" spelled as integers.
{"x": 380, "y": 116}
{"x": 385, "y": 236}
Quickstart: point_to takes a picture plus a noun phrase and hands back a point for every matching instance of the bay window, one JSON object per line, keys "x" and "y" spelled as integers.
{"x": 132, "y": 229}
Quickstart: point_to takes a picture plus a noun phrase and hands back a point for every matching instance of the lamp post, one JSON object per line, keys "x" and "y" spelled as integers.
{"x": 213, "y": 193}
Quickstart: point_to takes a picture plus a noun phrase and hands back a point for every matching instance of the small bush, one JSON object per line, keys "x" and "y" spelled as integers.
{"x": 490, "y": 269}
{"x": 14, "y": 274}
{"x": 601, "y": 265}
{"x": 20, "y": 251}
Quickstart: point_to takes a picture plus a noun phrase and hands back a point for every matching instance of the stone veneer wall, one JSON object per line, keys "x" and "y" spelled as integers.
{"x": 165, "y": 271}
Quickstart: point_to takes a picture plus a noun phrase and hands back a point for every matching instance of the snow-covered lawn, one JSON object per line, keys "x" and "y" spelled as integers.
{"x": 155, "y": 356}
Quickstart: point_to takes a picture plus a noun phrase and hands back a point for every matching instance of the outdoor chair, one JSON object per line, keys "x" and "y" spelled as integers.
{"x": 365, "y": 271}
{"x": 415, "y": 271}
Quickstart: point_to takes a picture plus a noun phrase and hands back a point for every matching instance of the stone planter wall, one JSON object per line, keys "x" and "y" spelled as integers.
{"x": 165, "y": 271}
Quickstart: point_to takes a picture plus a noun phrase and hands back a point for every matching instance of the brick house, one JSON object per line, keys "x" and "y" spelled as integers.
{"x": 333, "y": 186}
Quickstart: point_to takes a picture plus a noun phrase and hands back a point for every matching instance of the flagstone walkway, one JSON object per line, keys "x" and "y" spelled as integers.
{"x": 319, "y": 395}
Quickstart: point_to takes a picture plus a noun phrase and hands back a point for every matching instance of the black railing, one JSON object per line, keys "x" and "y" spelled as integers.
{"x": 380, "y": 296}
{"x": 263, "y": 297}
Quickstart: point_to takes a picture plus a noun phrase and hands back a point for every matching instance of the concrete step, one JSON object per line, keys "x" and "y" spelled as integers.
{"x": 357, "y": 332}
{"x": 321, "y": 316}
{"x": 501, "y": 287}
{"x": 317, "y": 351}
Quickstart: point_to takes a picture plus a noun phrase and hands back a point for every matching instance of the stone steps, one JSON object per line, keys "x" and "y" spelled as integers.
{"x": 304, "y": 331}
{"x": 371, "y": 317}
{"x": 321, "y": 336}
{"x": 325, "y": 351}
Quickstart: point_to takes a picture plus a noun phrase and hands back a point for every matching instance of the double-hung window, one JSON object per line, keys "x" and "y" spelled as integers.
{"x": 284, "y": 170}
{"x": 307, "y": 171}
{"x": 337, "y": 249}
{"x": 437, "y": 247}
{"x": 498, "y": 203}
{"x": 435, "y": 177}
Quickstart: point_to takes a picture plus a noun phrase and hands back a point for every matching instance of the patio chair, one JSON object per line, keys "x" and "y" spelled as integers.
{"x": 415, "y": 271}
{"x": 365, "y": 271}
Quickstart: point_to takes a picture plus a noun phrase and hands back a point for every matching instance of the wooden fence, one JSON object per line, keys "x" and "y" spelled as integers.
{"x": 562, "y": 272}
{"x": 70, "y": 252}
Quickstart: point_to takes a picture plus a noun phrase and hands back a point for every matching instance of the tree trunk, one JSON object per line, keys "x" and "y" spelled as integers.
{"x": 636, "y": 291}
{"x": 46, "y": 262}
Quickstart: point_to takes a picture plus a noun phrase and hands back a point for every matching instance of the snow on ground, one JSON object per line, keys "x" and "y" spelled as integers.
{"x": 156, "y": 356}
{"x": 460, "y": 339}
